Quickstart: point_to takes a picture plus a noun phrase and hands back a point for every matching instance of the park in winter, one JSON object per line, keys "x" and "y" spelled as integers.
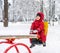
{"x": 16, "y": 19}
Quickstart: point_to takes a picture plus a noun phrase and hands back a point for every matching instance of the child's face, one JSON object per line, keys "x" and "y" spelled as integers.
{"x": 38, "y": 18}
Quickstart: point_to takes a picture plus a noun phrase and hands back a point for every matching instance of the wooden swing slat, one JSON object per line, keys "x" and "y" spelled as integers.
{"x": 17, "y": 36}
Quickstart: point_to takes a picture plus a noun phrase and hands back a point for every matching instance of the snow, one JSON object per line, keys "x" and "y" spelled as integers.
{"x": 53, "y": 38}
{"x": 15, "y": 28}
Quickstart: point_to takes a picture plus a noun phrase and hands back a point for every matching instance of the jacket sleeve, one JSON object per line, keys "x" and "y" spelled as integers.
{"x": 32, "y": 28}
{"x": 41, "y": 27}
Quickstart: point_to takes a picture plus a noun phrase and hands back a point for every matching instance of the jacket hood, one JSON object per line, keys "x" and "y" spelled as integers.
{"x": 41, "y": 15}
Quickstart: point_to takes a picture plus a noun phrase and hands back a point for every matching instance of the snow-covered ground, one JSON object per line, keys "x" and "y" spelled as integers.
{"x": 53, "y": 38}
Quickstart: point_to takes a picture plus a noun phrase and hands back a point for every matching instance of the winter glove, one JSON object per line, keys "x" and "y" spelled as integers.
{"x": 33, "y": 31}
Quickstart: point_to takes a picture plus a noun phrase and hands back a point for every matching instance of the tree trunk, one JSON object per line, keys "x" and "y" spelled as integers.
{"x": 5, "y": 13}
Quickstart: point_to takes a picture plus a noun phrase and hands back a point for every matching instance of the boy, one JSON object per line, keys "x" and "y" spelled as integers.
{"x": 37, "y": 27}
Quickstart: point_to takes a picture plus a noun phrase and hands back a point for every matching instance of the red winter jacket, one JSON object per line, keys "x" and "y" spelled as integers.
{"x": 39, "y": 26}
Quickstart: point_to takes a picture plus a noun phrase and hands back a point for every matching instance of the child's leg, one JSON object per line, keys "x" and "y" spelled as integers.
{"x": 43, "y": 38}
{"x": 32, "y": 41}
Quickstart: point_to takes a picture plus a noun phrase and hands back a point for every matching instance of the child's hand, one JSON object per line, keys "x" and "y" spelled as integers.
{"x": 35, "y": 31}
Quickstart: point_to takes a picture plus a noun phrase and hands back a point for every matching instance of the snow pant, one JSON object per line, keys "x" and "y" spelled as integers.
{"x": 35, "y": 41}
{"x": 41, "y": 39}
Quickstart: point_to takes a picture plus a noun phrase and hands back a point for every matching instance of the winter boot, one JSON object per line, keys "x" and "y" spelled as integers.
{"x": 44, "y": 44}
{"x": 32, "y": 45}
